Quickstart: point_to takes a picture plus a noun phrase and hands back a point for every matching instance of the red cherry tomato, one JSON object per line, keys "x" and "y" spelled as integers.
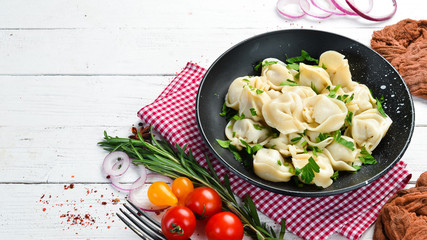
{"x": 178, "y": 223}
{"x": 224, "y": 226}
{"x": 181, "y": 187}
{"x": 204, "y": 202}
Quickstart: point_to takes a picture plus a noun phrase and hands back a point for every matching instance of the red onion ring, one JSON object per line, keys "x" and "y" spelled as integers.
{"x": 332, "y": 9}
{"x": 365, "y": 15}
{"x": 282, "y": 8}
{"x": 342, "y": 9}
{"x": 138, "y": 195}
{"x": 128, "y": 187}
{"x": 305, "y": 6}
{"x": 116, "y": 164}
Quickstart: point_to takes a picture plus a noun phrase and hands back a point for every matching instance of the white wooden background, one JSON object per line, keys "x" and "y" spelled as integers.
{"x": 70, "y": 69}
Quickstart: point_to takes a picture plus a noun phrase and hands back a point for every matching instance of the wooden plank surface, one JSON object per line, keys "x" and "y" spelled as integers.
{"x": 71, "y": 69}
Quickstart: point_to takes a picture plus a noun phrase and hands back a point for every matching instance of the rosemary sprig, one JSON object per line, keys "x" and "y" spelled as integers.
{"x": 160, "y": 157}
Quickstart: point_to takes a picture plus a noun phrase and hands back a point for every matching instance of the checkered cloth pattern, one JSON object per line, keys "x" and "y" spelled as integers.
{"x": 173, "y": 115}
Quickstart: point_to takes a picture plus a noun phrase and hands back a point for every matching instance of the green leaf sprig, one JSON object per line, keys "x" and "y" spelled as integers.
{"x": 160, "y": 157}
{"x": 348, "y": 144}
{"x": 307, "y": 172}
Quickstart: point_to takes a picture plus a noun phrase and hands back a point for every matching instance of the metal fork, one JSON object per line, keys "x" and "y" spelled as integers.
{"x": 142, "y": 224}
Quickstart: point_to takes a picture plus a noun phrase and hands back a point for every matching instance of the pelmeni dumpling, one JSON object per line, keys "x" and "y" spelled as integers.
{"x": 324, "y": 114}
{"x": 270, "y": 165}
{"x": 368, "y": 128}
{"x": 302, "y": 91}
{"x": 332, "y": 60}
{"x": 276, "y": 73}
{"x": 338, "y": 69}
{"x": 362, "y": 99}
{"x": 341, "y": 157}
{"x": 236, "y": 88}
{"x": 323, "y": 177}
{"x": 313, "y": 76}
{"x": 284, "y": 113}
{"x": 282, "y": 144}
{"x": 247, "y": 130}
{"x": 251, "y": 101}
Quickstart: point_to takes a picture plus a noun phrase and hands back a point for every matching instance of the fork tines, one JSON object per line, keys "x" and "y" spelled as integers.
{"x": 143, "y": 225}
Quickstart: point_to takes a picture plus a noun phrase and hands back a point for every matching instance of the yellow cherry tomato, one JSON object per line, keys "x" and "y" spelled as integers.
{"x": 181, "y": 187}
{"x": 160, "y": 194}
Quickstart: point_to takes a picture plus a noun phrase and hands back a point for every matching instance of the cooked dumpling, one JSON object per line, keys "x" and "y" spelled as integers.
{"x": 251, "y": 102}
{"x": 362, "y": 99}
{"x": 341, "y": 157}
{"x": 343, "y": 77}
{"x": 313, "y": 76}
{"x": 284, "y": 113}
{"x": 368, "y": 128}
{"x": 276, "y": 73}
{"x": 312, "y": 139}
{"x": 324, "y": 114}
{"x": 332, "y": 60}
{"x": 270, "y": 165}
{"x": 282, "y": 143}
{"x": 302, "y": 91}
{"x": 247, "y": 130}
{"x": 236, "y": 89}
{"x": 323, "y": 177}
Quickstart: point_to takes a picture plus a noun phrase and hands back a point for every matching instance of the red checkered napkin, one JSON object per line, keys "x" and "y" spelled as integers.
{"x": 350, "y": 214}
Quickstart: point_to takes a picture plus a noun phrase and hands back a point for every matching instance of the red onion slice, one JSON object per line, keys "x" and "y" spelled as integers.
{"x": 365, "y": 15}
{"x": 140, "y": 181}
{"x": 289, "y": 8}
{"x": 116, "y": 164}
{"x": 330, "y": 9}
{"x": 342, "y": 9}
{"x": 305, "y": 6}
{"x": 138, "y": 195}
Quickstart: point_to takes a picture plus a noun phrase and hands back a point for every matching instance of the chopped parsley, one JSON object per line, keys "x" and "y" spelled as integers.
{"x": 279, "y": 162}
{"x": 339, "y": 139}
{"x": 253, "y": 111}
{"x": 380, "y": 107}
{"x": 258, "y": 127}
{"x": 307, "y": 172}
{"x": 345, "y": 98}
{"x": 258, "y": 91}
{"x": 314, "y": 88}
{"x": 264, "y": 64}
{"x": 237, "y": 117}
{"x": 227, "y": 145}
{"x": 323, "y": 66}
{"x": 348, "y": 118}
{"x": 304, "y": 57}
{"x": 294, "y": 66}
{"x": 289, "y": 83}
{"x": 333, "y": 92}
{"x": 335, "y": 176}
{"x": 295, "y": 140}
{"x": 322, "y": 136}
{"x": 251, "y": 150}
{"x": 366, "y": 158}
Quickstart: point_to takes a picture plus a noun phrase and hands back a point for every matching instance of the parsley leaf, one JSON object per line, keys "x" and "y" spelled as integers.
{"x": 225, "y": 110}
{"x": 335, "y": 176}
{"x": 366, "y": 158}
{"x": 322, "y": 136}
{"x": 259, "y": 91}
{"x": 237, "y": 117}
{"x": 295, "y": 140}
{"x": 333, "y": 92}
{"x": 227, "y": 145}
{"x": 345, "y": 98}
{"x": 279, "y": 163}
{"x": 304, "y": 57}
{"x": 314, "y": 88}
{"x": 348, "y": 118}
{"x": 289, "y": 82}
{"x": 307, "y": 172}
{"x": 380, "y": 107}
{"x": 264, "y": 64}
{"x": 258, "y": 127}
{"x": 339, "y": 139}
{"x": 253, "y": 111}
{"x": 251, "y": 150}
{"x": 294, "y": 66}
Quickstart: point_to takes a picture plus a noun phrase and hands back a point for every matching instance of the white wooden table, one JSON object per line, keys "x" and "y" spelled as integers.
{"x": 71, "y": 69}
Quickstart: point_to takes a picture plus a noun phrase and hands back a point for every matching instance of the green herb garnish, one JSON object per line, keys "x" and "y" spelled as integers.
{"x": 259, "y": 91}
{"x": 237, "y": 117}
{"x": 380, "y": 107}
{"x": 258, "y": 127}
{"x": 294, "y": 66}
{"x": 366, "y": 157}
{"x": 289, "y": 83}
{"x": 253, "y": 111}
{"x": 339, "y": 139}
{"x": 304, "y": 57}
{"x": 307, "y": 172}
{"x": 295, "y": 140}
{"x": 335, "y": 176}
{"x": 279, "y": 162}
{"x": 348, "y": 118}
{"x": 333, "y": 92}
{"x": 322, "y": 136}
{"x": 314, "y": 88}
{"x": 264, "y": 64}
